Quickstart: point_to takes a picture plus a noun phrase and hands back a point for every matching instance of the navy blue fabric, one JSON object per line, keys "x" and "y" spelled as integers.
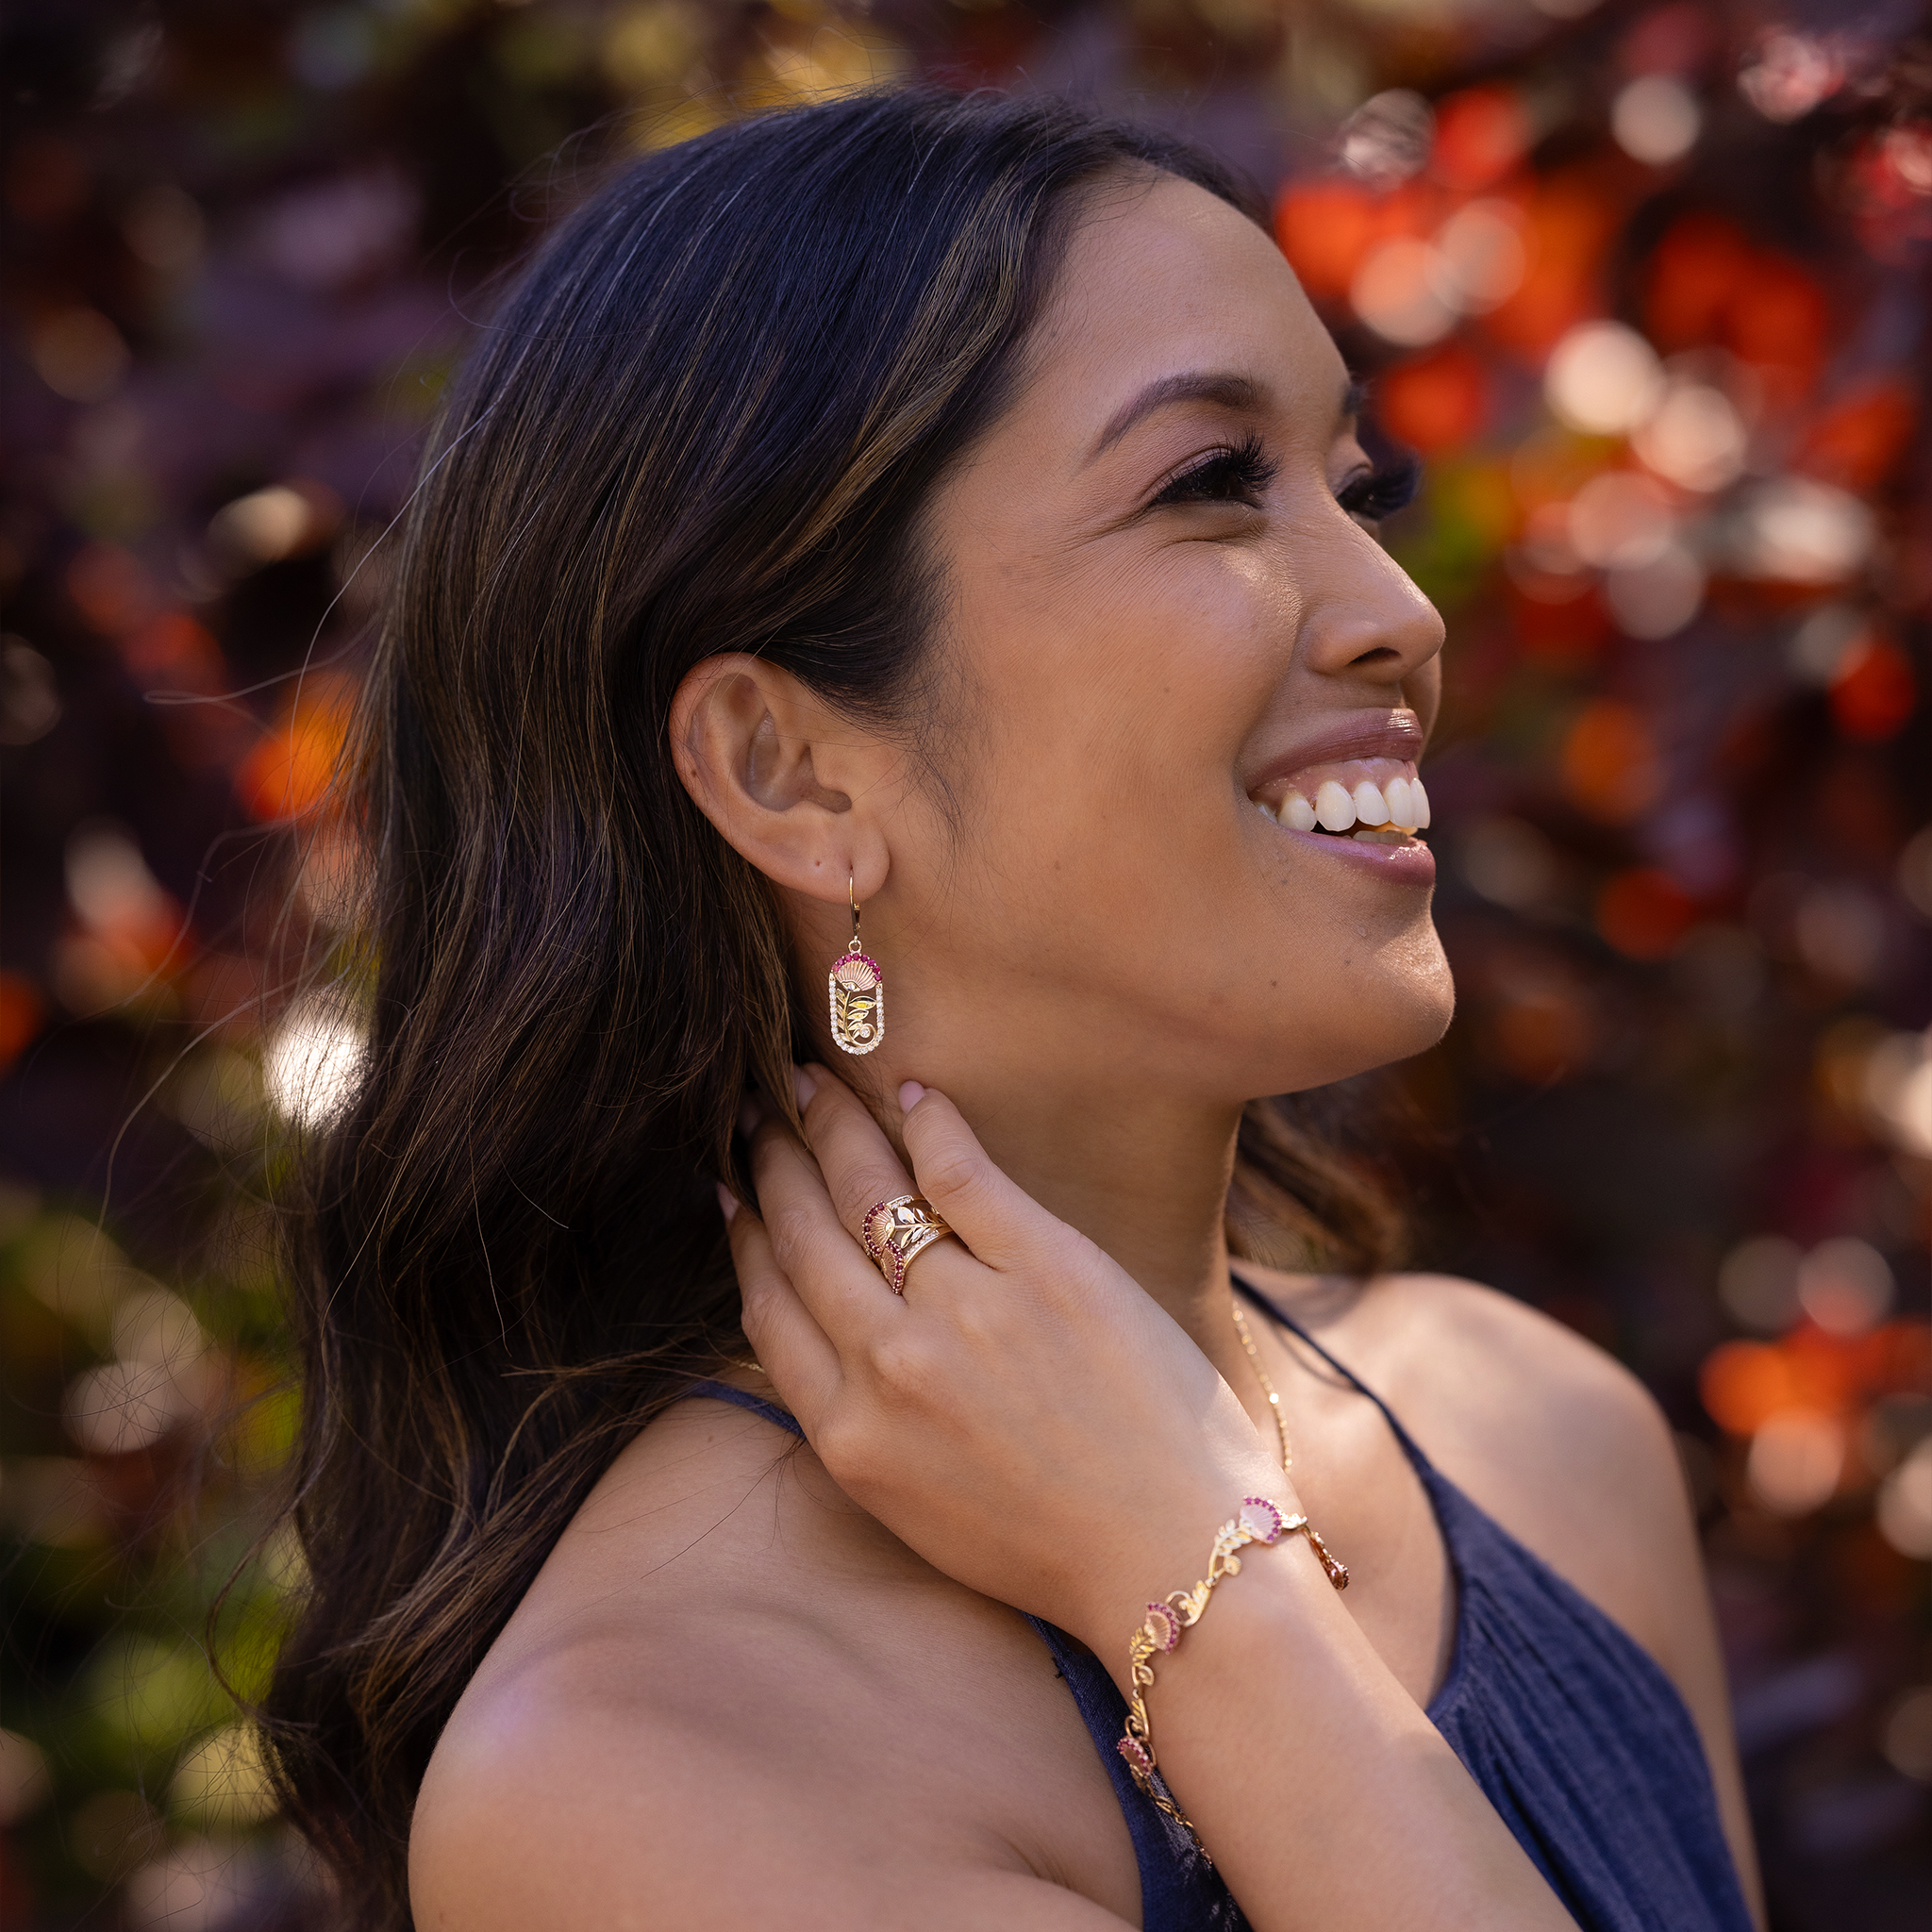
{"x": 1574, "y": 1734}
{"x": 1566, "y": 1722}
{"x": 1181, "y": 1889}
{"x": 744, "y": 1398}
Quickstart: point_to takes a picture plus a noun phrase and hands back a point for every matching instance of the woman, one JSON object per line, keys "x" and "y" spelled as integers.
{"x": 932, "y": 538}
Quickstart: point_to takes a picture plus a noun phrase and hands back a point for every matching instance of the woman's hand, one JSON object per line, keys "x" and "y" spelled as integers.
{"x": 1026, "y": 1417}
{"x": 1035, "y": 1425}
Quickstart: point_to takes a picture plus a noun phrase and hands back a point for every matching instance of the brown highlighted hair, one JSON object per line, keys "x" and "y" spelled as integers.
{"x": 706, "y": 419}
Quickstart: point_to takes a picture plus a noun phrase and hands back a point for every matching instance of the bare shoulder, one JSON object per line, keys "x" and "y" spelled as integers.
{"x": 544, "y": 1808}
{"x": 1478, "y": 1370}
{"x": 1517, "y": 1409}
{"x": 717, "y": 1708}
{"x": 1555, "y": 1439}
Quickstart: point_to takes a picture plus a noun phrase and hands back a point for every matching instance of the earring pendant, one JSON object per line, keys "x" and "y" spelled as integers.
{"x": 856, "y": 991}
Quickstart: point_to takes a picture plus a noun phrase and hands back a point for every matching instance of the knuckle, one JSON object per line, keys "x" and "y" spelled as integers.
{"x": 848, "y": 1447}
{"x": 792, "y": 1231}
{"x": 903, "y": 1365}
{"x": 753, "y": 1320}
{"x": 981, "y": 1325}
{"x": 865, "y": 1189}
{"x": 957, "y": 1173}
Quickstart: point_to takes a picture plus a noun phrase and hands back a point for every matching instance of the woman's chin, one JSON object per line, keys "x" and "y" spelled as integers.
{"x": 1391, "y": 1017}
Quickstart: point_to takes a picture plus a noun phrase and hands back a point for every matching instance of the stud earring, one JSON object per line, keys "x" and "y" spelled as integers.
{"x": 857, "y": 993}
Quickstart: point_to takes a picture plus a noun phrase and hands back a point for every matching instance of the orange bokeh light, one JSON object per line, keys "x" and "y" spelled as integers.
{"x": 22, "y": 1010}
{"x": 1875, "y": 691}
{"x": 1609, "y": 762}
{"x": 1326, "y": 226}
{"x": 1857, "y": 442}
{"x": 1482, "y": 133}
{"x": 290, "y": 768}
{"x": 1436, "y": 402}
{"x": 1644, "y": 912}
{"x": 1743, "y": 1384}
{"x": 1567, "y": 225}
{"x": 1695, "y": 271}
{"x": 1708, "y": 285}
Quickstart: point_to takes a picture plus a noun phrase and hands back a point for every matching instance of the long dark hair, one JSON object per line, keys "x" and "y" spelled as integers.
{"x": 706, "y": 419}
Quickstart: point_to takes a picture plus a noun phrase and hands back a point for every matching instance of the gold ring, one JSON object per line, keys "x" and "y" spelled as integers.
{"x": 894, "y": 1231}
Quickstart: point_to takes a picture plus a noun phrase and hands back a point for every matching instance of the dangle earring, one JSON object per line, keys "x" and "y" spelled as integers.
{"x": 857, "y": 993}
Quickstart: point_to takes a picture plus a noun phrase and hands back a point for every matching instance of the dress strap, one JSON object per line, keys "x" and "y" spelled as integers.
{"x": 1269, "y": 1306}
{"x": 744, "y": 1398}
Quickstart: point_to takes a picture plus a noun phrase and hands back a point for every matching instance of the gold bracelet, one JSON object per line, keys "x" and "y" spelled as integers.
{"x": 1258, "y": 1521}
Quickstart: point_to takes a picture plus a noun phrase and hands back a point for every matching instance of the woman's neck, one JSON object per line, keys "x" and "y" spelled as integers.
{"x": 1145, "y": 1179}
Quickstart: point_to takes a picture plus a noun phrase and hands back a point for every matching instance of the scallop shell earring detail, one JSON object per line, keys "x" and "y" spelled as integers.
{"x": 856, "y": 990}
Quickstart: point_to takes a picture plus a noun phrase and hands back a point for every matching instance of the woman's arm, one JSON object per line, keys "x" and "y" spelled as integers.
{"x": 1032, "y": 1424}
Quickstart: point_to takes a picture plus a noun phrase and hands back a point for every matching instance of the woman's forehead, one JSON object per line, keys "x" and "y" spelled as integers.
{"x": 1168, "y": 293}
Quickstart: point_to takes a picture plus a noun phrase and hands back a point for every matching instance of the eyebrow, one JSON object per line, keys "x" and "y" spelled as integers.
{"x": 1199, "y": 386}
{"x": 1227, "y": 390}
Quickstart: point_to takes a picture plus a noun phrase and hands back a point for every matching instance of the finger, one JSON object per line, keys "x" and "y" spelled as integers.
{"x": 859, "y": 1162}
{"x": 790, "y": 1346}
{"x": 831, "y": 1273}
{"x": 1000, "y": 1222}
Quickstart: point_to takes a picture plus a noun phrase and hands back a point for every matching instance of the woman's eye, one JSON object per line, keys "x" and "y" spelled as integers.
{"x": 1225, "y": 476}
{"x": 1380, "y": 493}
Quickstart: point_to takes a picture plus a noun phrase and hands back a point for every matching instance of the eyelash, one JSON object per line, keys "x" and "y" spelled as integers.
{"x": 1388, "y": 487}
{"x": 1240, "y": 474}
{"x": 1244, "y": 473}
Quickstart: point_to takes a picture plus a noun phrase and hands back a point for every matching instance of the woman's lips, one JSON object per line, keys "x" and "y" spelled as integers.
{"x": 1398, "y": 856}
{"x": 1352, "y": 789}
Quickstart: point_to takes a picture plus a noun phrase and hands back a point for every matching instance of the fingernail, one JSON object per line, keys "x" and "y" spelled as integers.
{"x": 728, "y": 1203}
{"x": 803, "y": 1085}
{"x": 749, "y": 1115}
{"x": 910, "y": 1094}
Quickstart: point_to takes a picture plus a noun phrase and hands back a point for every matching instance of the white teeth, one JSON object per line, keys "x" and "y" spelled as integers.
{"x": 1334, "y": 807}
{"x": 1401, "y": 805}
{"x": 1378, "y": 835}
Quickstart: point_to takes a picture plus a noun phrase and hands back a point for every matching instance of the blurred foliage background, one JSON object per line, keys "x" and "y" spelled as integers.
{"x": 1646, "y": 281}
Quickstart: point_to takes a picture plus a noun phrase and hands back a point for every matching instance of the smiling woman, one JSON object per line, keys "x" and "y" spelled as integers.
{"x": 948, "y": 514}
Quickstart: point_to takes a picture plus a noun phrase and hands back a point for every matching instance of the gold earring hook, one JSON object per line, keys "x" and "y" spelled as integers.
{"x": 851, "y": 895}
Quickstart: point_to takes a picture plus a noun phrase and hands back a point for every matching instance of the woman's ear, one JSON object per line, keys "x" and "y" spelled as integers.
{"x": 798, "y": 789}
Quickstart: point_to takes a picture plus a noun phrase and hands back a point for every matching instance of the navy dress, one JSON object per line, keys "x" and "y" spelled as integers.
{"x": 1574, "y": 1734}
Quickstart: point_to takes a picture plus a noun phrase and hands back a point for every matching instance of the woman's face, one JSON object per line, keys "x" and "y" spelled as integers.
{"x": 1161, "y": 618}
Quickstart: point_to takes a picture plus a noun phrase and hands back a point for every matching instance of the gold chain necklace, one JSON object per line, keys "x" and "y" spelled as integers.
{"x": 1338, "y": 1571}
{"x": 1240, "y": 1328}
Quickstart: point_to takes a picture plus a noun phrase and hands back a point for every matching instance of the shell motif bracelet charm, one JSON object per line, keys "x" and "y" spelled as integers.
{"x": 1258, "y": 1521}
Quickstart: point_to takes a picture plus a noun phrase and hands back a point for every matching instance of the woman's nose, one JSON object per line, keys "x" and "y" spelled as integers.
{"x": 1364, "y": 616}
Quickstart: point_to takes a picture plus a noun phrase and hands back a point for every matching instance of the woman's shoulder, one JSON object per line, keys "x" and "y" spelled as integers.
{"x": 1547, "y": 1432}
{"x": 719, "y": 1636}
{"x": 1474, "y": 1372}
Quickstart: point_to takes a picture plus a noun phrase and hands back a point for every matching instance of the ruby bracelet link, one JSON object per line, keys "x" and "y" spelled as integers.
{"x": 1258, "y": 1521}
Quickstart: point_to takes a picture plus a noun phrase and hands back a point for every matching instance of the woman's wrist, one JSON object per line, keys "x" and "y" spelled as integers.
{"x": 1281, "y": 1586}
{"x": 1169, "y": 1551}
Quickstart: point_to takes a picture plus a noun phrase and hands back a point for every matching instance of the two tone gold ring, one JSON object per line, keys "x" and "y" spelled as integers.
{"x": 894, "y": 1231}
